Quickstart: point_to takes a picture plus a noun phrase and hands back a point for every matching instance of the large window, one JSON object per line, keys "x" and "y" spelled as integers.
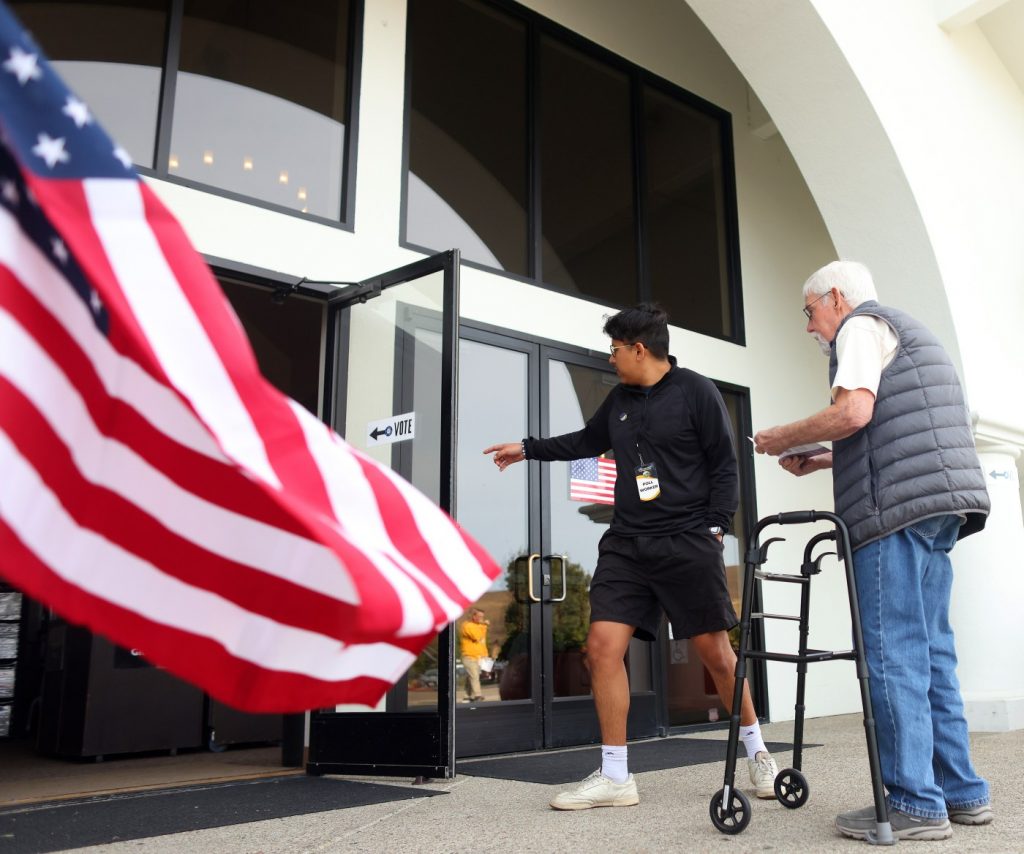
{"x": 467, "y": 177}
{"x": 544, "y": 156}
{"x": 111, "y": 54}
{"x": 588, "y": 221}
{"x": 685, "y": 204}
{"x": 251, "y": 97}
{"x": 260, "y": 100}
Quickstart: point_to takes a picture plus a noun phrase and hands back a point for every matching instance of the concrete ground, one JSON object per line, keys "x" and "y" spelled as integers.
{"x": 483, "y": 815}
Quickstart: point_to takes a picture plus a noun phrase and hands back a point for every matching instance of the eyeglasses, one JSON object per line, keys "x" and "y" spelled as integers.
{"x": 808, "y": 310}
{"x": 613, "y": 347}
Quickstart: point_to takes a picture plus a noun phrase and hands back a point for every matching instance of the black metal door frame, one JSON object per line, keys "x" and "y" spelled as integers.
{"x": 512, "y": 725}
{"x": 396, "y": 743}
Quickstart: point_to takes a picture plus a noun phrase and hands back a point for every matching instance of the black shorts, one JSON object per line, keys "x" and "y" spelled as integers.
{"x": 683, "y": 574}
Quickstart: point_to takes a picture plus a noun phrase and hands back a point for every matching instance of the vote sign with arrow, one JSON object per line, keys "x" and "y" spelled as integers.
{"x": 387, "y": 431}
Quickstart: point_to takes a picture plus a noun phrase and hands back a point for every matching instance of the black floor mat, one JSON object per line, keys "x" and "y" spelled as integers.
{"x": 569, "y": 766}
{"x": 75, "y": 824}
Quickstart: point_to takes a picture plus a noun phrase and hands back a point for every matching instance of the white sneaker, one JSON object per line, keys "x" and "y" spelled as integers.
{"x": 598, "y": 791}
{"x": 763, "y": 772}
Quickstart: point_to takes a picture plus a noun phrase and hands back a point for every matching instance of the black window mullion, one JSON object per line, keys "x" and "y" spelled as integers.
{"x": 403, "y": 216}
{"x": 533, "y": 96}
{"x": 468, "y": 132}
{"x": 640, "y": 189}
{"x": 588, "y": 197}
{"x": 737, "y": 329}
{"x": 352, "y": 82}
{"x": 168, "y": 82}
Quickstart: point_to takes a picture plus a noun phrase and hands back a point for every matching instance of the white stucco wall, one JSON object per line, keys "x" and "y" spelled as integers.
{"x": 910, "y": 139}
{"x": 955, "y": 117}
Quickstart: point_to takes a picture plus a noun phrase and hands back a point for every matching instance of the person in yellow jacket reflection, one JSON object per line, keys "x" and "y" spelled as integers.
{"x": 473, "y": 647}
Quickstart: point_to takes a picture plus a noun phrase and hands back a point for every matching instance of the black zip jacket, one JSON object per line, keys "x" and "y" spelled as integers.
{"x": 682, "y": 426}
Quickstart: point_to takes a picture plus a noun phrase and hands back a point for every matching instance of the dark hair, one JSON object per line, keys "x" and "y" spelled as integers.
{"x": 645, "y": 324}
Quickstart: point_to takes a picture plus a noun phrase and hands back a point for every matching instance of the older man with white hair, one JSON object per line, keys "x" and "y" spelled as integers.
{"x": 908, "y": 484}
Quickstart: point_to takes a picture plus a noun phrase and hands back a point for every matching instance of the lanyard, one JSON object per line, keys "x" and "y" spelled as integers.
{"x": 640, "y": 429}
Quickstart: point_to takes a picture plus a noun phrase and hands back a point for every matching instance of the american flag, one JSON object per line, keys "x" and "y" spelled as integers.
{"x": 592, "y": 480}
{"x": 153, "y": 486}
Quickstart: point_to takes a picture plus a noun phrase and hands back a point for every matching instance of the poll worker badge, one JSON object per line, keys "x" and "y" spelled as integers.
{"x": 647, "y": 481}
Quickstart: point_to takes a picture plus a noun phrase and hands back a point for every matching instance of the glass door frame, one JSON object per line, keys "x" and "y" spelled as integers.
{"x": 395, "y": 742}
{"x": 511, "y": 725}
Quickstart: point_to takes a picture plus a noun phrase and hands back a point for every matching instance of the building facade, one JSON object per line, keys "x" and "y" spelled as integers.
{"x": 582, "y": 155}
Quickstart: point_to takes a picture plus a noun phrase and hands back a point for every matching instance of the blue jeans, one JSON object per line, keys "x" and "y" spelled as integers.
{"x": 903, "y": 587}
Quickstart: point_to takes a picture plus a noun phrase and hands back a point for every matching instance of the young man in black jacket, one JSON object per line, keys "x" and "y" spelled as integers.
{"x": 676, "y": 491}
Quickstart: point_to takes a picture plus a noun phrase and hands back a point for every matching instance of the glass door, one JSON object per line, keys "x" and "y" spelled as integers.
{"x": 498, "y": 710}
{"x": 545, "y": 532}
{"x": 578, "y": 497}
{"x": 393, "y": 398}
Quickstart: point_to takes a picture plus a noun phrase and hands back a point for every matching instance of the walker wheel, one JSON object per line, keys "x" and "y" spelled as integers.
{"x": 791, "y": 788}
{"x": 734, "y": 818}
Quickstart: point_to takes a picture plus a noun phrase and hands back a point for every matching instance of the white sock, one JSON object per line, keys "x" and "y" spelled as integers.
{"x": 613, "y": 762}
{"x": 752, "y": 739}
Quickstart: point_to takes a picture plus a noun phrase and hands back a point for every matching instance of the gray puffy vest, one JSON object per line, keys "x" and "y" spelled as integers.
{"x": 916, "y": 457}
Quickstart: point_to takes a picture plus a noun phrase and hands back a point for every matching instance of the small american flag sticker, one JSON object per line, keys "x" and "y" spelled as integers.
{"x": 592, "y": 480}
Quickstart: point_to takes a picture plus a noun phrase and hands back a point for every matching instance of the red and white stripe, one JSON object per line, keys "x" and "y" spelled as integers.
{"x": 157, "y": 489}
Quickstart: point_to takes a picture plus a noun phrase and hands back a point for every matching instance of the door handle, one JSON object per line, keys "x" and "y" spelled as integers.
{"x": 562, "y": 560}
{"x": 529, "y": 578}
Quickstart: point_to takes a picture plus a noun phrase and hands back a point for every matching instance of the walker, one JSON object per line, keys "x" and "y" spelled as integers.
{"x": 730, "y": 808}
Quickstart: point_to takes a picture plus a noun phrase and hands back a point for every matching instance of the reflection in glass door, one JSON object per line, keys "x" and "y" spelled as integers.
{"x": 494, "y": 507}
{"x": 493, "y": 401}
{"x": 496, "y": 709}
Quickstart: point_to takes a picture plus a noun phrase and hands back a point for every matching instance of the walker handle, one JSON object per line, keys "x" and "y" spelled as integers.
{"x": 797, "y": 517}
